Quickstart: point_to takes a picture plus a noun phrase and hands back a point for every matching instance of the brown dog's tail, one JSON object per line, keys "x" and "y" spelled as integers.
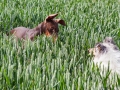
{"x": 11, "y": 32}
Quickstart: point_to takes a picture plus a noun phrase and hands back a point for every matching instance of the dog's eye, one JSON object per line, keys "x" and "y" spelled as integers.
{"x": 51, "y": 29}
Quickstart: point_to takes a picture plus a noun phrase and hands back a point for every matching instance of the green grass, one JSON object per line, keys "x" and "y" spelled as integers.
{"x": 64, "y": 65}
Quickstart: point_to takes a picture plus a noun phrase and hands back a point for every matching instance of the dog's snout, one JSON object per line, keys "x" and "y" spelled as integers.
{"x": 90, "y": 51}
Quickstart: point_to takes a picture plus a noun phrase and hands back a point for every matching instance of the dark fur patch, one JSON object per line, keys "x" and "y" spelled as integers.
{"x": 101, "y": 48}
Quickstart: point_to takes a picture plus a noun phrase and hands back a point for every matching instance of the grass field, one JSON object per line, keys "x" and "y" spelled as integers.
{"x": 64, "y": 65}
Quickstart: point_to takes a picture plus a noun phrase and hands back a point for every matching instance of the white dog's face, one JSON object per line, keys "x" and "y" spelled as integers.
{"x": 105, "y": 53}
{"x": 101, "y": 48}
{"x": 98, "y": 50}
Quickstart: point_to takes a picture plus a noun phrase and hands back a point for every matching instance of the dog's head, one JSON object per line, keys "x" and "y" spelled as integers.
{"x": 99, "y": 49}
{"x": 50, "y": 26}
{"x": 105, "y": 55}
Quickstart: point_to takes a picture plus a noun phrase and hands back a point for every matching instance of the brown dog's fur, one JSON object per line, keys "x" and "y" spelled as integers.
{"x": 48, "y": 27}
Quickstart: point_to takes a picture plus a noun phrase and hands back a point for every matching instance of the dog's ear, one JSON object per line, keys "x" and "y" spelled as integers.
{"x": 50, "y": 17}
{"x": 60, "y": 21}
{"x": 109, "y": 40}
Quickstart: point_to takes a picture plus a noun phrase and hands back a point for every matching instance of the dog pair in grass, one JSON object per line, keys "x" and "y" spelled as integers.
{"x": 106, "y": 54}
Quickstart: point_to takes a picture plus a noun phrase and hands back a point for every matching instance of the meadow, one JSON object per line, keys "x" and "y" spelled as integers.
{"x": 65, "y": 64}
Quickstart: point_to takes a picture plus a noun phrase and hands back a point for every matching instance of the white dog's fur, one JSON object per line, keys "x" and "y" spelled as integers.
{"x": 106, "y": 54}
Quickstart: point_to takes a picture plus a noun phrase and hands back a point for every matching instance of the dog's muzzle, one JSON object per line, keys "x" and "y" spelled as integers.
{"x": 55, "y": 36}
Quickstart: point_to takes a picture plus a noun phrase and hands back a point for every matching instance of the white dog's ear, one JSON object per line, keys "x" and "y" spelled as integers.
{"x": 111, "y": 43}
{"x": 109, "y": 40}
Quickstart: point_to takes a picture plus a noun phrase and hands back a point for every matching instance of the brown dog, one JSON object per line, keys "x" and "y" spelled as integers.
{"x": 48, "y": 27}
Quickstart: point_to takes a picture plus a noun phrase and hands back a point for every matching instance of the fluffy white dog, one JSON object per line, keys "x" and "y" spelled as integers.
{"x": 107, "y": 54}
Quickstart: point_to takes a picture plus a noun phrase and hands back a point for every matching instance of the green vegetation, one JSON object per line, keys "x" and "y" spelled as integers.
{"x": 64, "y": 65}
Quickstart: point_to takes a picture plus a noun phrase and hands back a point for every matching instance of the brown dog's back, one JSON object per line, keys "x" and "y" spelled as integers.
{"x": 20, "y": 32}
